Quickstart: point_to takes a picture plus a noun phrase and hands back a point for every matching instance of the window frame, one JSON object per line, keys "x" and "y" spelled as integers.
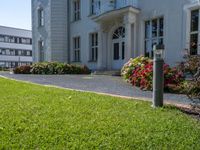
{"x": 95, "y": 7}
{"x": 150, "y": 40}
{"x": 41, "y": 53}
{"x": 94, "y": 46}
{"x": 76, "y": 10}
{"x": 41, "y": 17}
{"x": 193, "y": 33}
{"x": 77, "y": 49}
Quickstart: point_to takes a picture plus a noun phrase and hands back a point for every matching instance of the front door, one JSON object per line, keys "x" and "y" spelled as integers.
{"x": 118, "y": 54}
{"x": 118, "y": 48}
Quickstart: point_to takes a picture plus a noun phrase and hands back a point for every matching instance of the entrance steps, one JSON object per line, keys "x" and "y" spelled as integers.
{"x": 107, "y": 72}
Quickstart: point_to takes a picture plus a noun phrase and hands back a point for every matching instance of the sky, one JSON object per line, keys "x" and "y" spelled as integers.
{"x": 15, "y": 13}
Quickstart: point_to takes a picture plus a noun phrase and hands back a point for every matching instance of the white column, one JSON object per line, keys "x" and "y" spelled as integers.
{"x": 135, "y": 51}
{"x": 128, "y": 48}
{"x": 100, "y": 51}
{"x": 109, "y": 52}
{"x": 104, "y": 49}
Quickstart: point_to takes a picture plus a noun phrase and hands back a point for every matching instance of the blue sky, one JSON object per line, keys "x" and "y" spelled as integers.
{"x": 15, "y": 13}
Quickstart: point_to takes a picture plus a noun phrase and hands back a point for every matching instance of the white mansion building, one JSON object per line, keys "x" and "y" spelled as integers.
{"x": 104, "y": 34}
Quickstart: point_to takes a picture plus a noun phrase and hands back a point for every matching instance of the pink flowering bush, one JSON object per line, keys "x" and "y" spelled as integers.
{"x": 139, "y": 72}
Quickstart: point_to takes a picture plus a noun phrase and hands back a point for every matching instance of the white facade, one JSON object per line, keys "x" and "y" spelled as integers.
{"x": 105, "y": 34}
{"x": 15, "y": 47}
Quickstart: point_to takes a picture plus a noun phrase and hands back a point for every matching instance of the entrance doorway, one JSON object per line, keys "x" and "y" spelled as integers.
{"x": 118, "y": 48}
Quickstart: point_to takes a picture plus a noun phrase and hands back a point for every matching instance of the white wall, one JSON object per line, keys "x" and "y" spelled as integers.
{"x": 174, "y": 25}
{"x": 83, "y": 28}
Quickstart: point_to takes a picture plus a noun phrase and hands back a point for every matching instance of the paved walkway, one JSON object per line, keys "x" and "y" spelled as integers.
{"x": 96, "y": 83}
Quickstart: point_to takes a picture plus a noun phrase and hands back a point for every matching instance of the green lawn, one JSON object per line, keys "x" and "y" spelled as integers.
{"x": 37, "y": 117}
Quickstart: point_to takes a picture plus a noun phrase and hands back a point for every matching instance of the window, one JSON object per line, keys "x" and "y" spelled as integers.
{"x": 24, "y": 41}
{"x": 41, "y": 50}
{"x": 2, "y": 64}
{"x": 19, "y": 53}
{"x": 12, "y": 52}
{"x": 7, "y": 52}
{"x": 11, "y": 39}
{"x": 95, "y": 7}
{"x": 94, "y": 47}
{"x": 6, "y": 39}
{"x": 16, "y": 40}
{"x": 20, "y": 40}
{"x": 76, "y": 10}
{"x": 76, "y": 49}
{"x": 116, "y": 51}
{"x": 2, "y": 38}
{"x": 3, "y": 51}
{"x": 154, "y": 34}
{"x": 119, "y": 33}
{"x": 40, "y": 17}
{"x": 28, "y": 53}
{"x": 194, "y": 32}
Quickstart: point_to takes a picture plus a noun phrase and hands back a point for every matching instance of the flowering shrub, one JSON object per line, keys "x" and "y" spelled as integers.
{"x": 191, "y": 67}
{"x": 51, "y": 68}
{"x": 22, "y": 70}
{"x": 132, "y": 64}
{"x": 139, "y": 72}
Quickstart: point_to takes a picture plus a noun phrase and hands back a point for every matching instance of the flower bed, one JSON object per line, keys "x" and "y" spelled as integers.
{"x": 51, "y": 68}
{"x": 139, "y": 72}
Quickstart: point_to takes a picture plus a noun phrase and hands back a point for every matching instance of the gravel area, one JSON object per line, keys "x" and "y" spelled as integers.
{"x": 96, "y": 83}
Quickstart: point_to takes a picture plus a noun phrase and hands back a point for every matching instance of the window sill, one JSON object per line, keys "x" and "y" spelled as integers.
{"x": 74, "y": 62}
{"x": 40, "y": 27}
{"x": 76, "y": 21}
{"x": 92, "y": 16}
{"x": 92, "y": 61}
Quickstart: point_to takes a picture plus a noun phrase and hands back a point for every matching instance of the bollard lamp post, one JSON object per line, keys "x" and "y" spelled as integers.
{"x": 158, "y": 76}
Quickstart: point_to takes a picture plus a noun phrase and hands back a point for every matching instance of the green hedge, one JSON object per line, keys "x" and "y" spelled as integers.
{"x": 52, "y": 68}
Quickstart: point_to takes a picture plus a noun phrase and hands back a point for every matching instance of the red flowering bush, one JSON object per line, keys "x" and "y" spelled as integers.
{"x": 142, "y": 76}
{"x": 139, "y": 72}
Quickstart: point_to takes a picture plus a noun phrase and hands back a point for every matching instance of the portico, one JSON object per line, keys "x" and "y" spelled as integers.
{"x": 117, "y": 37}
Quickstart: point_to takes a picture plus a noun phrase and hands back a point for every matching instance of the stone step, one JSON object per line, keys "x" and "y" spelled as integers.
{"x": 109, "y": 72}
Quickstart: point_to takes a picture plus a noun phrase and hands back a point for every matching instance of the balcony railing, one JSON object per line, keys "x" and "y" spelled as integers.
{"x": 111, "y": 5}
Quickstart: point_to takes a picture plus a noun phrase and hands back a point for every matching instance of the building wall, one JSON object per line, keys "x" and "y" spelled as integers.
{"x": 174, "y": 25}
{"x": 41, "y": 33}
{"x": 60, "y": 29}
{"x": 15, "y": 46}
{"x": 83, "y": 28}
{"x": 54, "y": 32}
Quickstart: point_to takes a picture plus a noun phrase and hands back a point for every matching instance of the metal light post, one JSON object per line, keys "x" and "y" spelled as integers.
{"x": 158, "y": 75}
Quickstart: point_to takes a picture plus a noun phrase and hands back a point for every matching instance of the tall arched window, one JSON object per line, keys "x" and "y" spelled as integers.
{"x": 119, "y": 33}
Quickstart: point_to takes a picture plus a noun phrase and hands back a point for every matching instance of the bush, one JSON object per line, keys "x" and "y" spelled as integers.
{"x": 191, "y": 66}
{"x": 22, "y": 70}
{"x": 52, "y": 68}
{"x": 139, "y": 72}
{"x": 4, "y": 69}
{"x": 44, "y": 68}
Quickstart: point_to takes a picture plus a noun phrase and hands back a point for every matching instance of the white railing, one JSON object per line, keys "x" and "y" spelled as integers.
{"x": 114, "y": 5}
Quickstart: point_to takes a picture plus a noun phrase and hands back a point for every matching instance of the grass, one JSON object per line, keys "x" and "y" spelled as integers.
{"x": 37, "y": 117}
